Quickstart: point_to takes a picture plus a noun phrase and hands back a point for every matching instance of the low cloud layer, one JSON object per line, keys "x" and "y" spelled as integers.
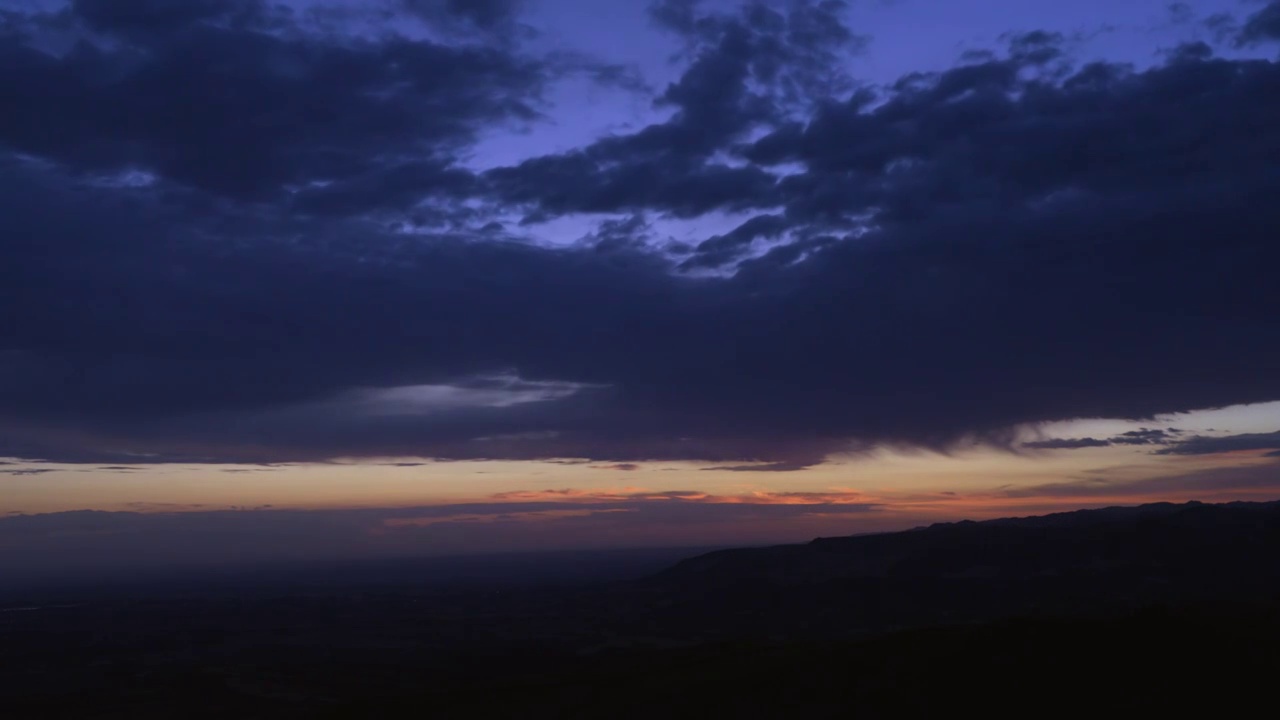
{"x": 1202, "y": 445}
{"x": 1167, "y": 442}
{"x": 1254, "y": 481}
{"x": 247, "y": 232}
{"x": 1067, "y": 444}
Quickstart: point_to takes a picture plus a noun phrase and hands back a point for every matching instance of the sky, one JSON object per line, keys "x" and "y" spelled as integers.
{"x": 351, "y": 278}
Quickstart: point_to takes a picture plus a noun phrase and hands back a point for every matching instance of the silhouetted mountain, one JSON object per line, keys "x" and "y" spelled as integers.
{"x": 1135, "y": 606}
{"x": 1067, "y": 563}
{"x": 1158, "y": 541}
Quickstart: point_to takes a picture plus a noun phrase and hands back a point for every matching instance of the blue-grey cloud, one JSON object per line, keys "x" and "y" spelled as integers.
{"x": 1141, "y": 436}
{"x": 246, "y": 240}
{"x": 1144, "y": 436}
{"x": 1209, "y": 445}
{"x": 1263, "y": 25}
{"x": 1067, "y": 444}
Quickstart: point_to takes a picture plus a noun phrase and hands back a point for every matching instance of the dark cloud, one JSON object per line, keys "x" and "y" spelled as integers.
{"x": 721, "y": 249}
{"x": 1143, "y": 436}
{"x": 147, "y": 19}
{"x": 579, "y": 183}
{"x": 1208, "y": 445}
{"x": 1037, "y": 47}
{"x": 797, "y": 49}
{"x": 1263, "y": 25}
{"x": 26, "y": 471}
{"x": 629, "y": 233}
{"x": 238, "y": 243}
{"x": 1067, "y": 444}
{"x": 625, "y": 467}
{"x": 1223, "y": 27}
{"x": 186, "y": 92}
{"x": 747, "y": 70}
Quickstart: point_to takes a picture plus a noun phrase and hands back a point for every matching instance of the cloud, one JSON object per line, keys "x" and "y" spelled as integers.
{"x": 272, "y": 109}
{"x": 764, "y": 467}
{"x": 1067, "y": 444}
{"x": 748, "y": 69}
{"x": 1143, "y": 436}
{"x": 294, "y": 265}
{"x": 1209, "y": 484}
{"x": 1208, "y": 445}
{"x": 146, "y": 18}
{"x": 718, "y": 250}
{"x": 484, "y": 14}
{"x": 1180, "y": 13}
{"x": 625, "y": 467}
{"x": 1261, "y": 26}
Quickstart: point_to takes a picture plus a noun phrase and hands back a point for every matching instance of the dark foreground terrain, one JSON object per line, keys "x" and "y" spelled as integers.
{"x": 1158, "y": 608}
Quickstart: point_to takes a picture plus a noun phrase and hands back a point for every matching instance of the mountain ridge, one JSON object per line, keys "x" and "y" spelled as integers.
{"x": 1192, "y": 537}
